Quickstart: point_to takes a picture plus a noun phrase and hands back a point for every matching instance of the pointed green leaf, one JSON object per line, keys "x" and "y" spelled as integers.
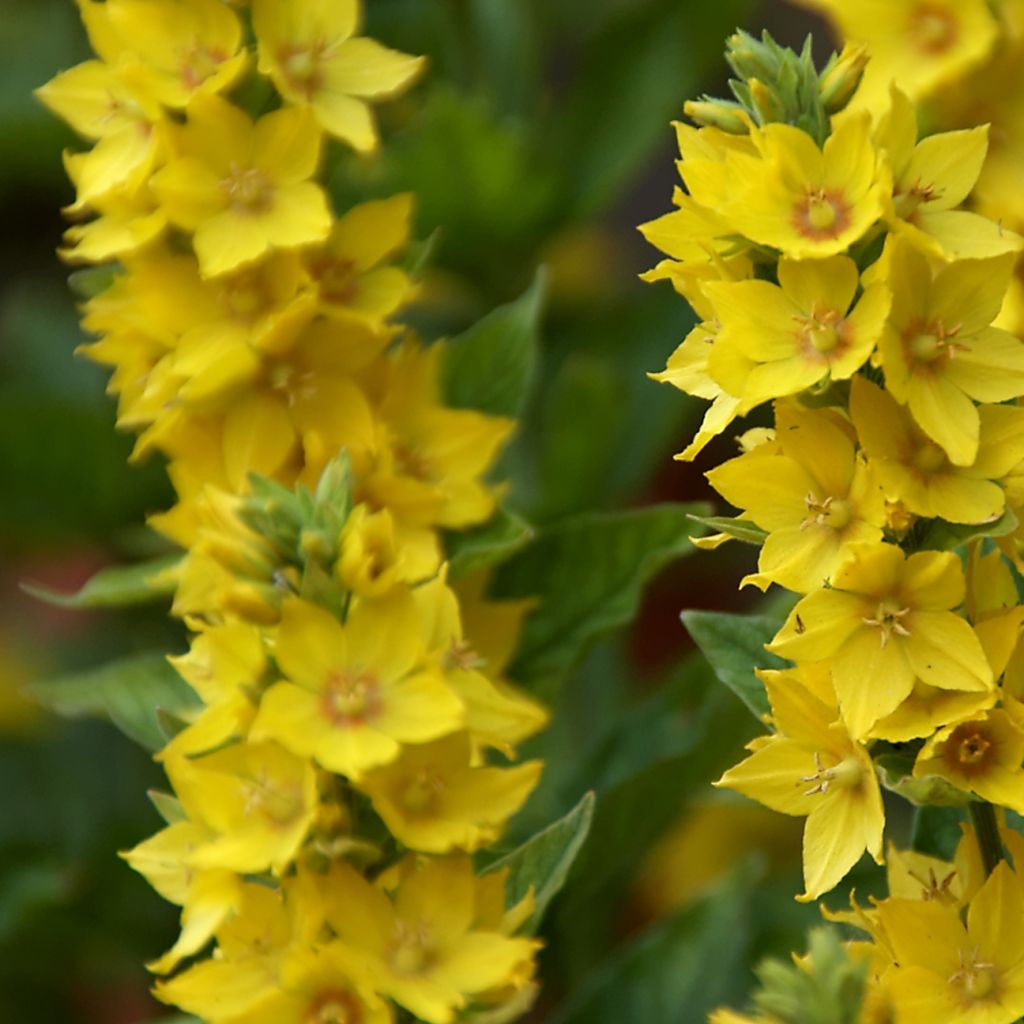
{"x": 588, "y": 572}
{"x": 472, "y": 550}
{"x": 544, "y": 861}
{"x": 116, "y": 586}
{"x": 734, "y": 646}
{"x": 129, "y": 692}
{"x": 741, "y": 529}
{"x": 167, "y": 806}
{"x": 91, "y": 281}
{"x": 490, "y": 366}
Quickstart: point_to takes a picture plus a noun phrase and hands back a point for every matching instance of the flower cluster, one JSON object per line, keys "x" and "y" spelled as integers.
{"x": 344, "y": 762}
{"x": 826, "y": 249}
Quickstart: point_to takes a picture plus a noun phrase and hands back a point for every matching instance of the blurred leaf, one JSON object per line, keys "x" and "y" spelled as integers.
{"x": 734, "y": 645}
{"x": 115, "y": 586}
{"x": 167, "y": 806}
{"x": 589, "y": 573}
{"x": 470, "y": 551}
{"x": 504, "y": 52}
{"x": 91, "y": 281}
{"x": 543, "y": 861}
{"x": 937, "y": 831}
{"x": 675, "y": 971}
{"x": 741, "y": 529}
{"x": 28, "y": 888}
{"x": 489, "y": 367}
{"x": 632, "y": 79}
{"x": 128, "y": 692}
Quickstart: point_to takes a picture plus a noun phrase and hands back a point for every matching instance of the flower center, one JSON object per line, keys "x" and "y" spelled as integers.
{"x": 846, "y": 774}
{"x": 247, "y": 189}
{"x": 301, "y": 65}
{"x": 933, "y": 28}
{"x": 335, "y": 1006}
{"x": 925, "y": 343}
{"x": 929, "y": 458}
{"x": 351, "y": 697}
{"x": 970, "y": 749}
{"x": 831, "y": 512}
{"x": 338, "y": 280}
{"x": 410, "y": 949}
{"x": 975, "y": 979}
{"x": 244, "y": 297}
{"x": 199, "y": 63}
{"x": 421, "y": 795}
{"x": 821, "y": 214}
{"x": 888, "y": 620}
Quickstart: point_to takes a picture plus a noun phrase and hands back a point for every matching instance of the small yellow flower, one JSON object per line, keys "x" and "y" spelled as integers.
{"x": 243, "y": 188}
{"x": 885, "y": 622}
{"x": 311, "y": 51}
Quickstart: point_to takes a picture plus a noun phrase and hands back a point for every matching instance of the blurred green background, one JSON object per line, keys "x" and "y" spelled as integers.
{"x": 540, "y": 136}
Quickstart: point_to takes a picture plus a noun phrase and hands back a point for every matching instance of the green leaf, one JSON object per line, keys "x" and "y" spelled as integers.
{"x": 943, "y": 536}
{"x": 129, "y": 692}
{"x": 489, "y": 367}
{"x": 937, "y": 831}
{"x": 589, "y": 572}
{"x": 167, "y": 806}
{"x": 91, "y": 281}
{"x": 734, "y": 646}
{"x": 116, "y": 586}
{"x": 472, "y": 550}
{"x": 677, "y": 970}
{"x": 544, "y": 861}
{"x": 741, "y": 529}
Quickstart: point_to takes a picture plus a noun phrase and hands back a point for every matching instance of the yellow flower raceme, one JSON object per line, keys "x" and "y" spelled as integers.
{"x": 886, "y": 621}
{"x": 810, "y": 492}
{"x": 778, "y": 340}
{"x": 244, "y": 189}
{"x": 354, "y": 693}
{"x": 309, "y": 48}
{"x": 939, "y": 351}
{"x": 812, "y": 767}
{"x": 946, "y": 970}
{"x": 914, "y": 470}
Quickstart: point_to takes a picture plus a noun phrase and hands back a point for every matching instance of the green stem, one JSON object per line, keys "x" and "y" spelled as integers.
{"x": 983, "y": 818}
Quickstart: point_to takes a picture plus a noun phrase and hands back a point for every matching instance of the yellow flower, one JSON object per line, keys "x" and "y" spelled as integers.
{"x": 206, "y": 897}
{"x": 939, "y": 351}
{"x": 778, "y": 340}
{"x": 311, "y": 51}
{"x": 982, "y": 755}
{"x": 104, "y": 105}
{"x": 946, "y": 971}
{"x": 812, "y": 767}
{"x": 350, "y": 281}
{"x": 884, "y": 623}
{"x": 805, "y": 201}
{"x": 930, "y": 179}
{"x": 244, "y": 188}
{"x": 928, "y": 708}
{"x": 175, "y": 47}
{"x": 127, "y": 220}
{"x": 354, "y": 692}
{"x": 914, "y": 470}
{"x": 435, "y": 798}
{"x": 425, "y": 946}
{"x": 924, "y": 44}
{"x": 257, "y": 799}
{"x": 810, "y": 492}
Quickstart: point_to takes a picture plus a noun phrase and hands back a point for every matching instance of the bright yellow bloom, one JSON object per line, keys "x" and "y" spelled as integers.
{"x": 244, "y": 188}
{"x": 982, "y": 755}
{"x": 805, "y": 201}
{"x": 258, "y": 800}
{"x": 914, "y": 470}
{"x": 175, "y": 47}
{"x": 946, "y": 971}
{"x": 885, "y": 622}
{"x": 929, "y": 708}
{"x": 939, "y": 351}
{"x": 812, "y": 767}
{"x": 425, "y": 947}
{"x": 923, "y": 44}
{"x": 354, "y": 692}
{"x": 434, "y": 798}
{"x": 104, "y": 105}
{"x": 127, "y": 220}
{"x": 778, "y": 340}
{"x": 930, "y": 179}
{"x": 809, "y": 492}
{"x": 311, "y": 51}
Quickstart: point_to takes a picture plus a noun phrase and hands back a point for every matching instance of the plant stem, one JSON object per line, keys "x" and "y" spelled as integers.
{"x": 983, "y": 818}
